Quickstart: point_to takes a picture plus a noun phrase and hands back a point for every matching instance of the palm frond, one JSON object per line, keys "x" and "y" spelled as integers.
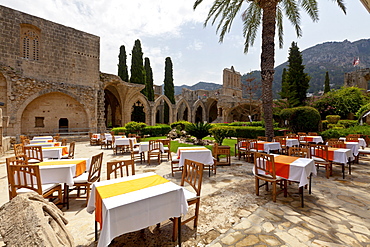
{"x": 310, "y": 6}
{"x": 292, "y": 12}
{"x": 197, "y": 2}
{"x": 279, "y": 23}
{"x": 251, "y": 17}
{"x": 341, "y": 5}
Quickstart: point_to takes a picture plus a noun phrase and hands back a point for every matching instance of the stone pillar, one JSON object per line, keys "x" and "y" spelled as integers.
{"x": 101, "y": 112}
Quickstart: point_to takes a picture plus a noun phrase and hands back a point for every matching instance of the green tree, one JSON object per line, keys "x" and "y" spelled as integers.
{"x": 122, "y": 64}
{"x": 327, "y": 83}
{"x": 169, "y": 88}
{"x": 269, "y": 14}
{"x": 137, "y": 68}
{"x": 297, "y": 80}
{"x": 284, "y": 86}
{"x": 148, "y": 80}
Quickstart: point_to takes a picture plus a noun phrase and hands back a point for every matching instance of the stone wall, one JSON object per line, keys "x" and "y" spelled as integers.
{"x": 64, "y": 54}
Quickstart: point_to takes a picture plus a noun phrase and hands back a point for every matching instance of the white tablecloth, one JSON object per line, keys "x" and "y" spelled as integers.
{"x": 45, "y": 144}
{"x": 268, "y": 146}
{"x": 361, "y": 141}
{"x": 97, "y": 136}
{"x": 42, "y": 138}
{"x": 292, "y": 142}
{"x": 138, "y": 209}
{"x": 315, "y": 139}
{"x": 342, "y": 155}
{"x": 124, "y": 141}
{"x": 60, "y": 173}
{"x": 144, "y": 147}
{"x": 203, "y": 156}
{"x": 39, "y": 141}
{"x": 54, "y": 153}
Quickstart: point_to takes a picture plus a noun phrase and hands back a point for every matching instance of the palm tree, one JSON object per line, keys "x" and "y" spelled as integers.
{"x": 269, "y": 13}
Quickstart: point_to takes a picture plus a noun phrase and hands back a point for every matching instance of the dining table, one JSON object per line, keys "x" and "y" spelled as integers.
{"x": 292, "y": 142}
{"x": 45, "y": 144}
{"x": 42, "y": 138}
{"x": 54, "y": 152}
{"x": 131, "y": 203}
{"x": 361, "y": 141}
{"x": 195, "y": 153}
{"x": 63, "y": 171}
{"x": 267, "y": 147}
{"x": 295, "y": 169}
{"x": 315, "y": 139}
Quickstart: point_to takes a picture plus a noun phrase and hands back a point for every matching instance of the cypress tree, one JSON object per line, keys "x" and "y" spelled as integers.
{"x": 327, "y": 83}
{"x": 122, "y": 65}
{"x": 297, "y": 80}
{"x": 137, "y": 68}
{"x": 169, "y": 88}
{"x": 148, "y": 80}
{"x": 284, "y": 86}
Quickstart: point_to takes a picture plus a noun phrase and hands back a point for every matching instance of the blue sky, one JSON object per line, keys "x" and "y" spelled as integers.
{"x": 170, "y": 28}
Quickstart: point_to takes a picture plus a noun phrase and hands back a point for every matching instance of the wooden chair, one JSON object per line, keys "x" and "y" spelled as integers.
{"x": 264, "y": 169}
{"x": 192, "y": 175}
{"x": 64, "y": 142}
{"x": 20, "y": 160}
{"x": 93, "y": 141}
{"x": 120, "y": 168}
{"x": 33, "y": 153}
{"x": 320, "y": 154}
{"x": 282, "y": 141}
{"x": 262, "y": 138}
{"x": 135, "y": 152}
{"x": 354, "y": 136}
{"x": 175, "y": 164}
{"x": 84, "y": 181}
{"x": 26, "y": 178}
{"x": 25, "y": 142}
{"x": 71, "y": 151}
{"x": 247, "y": 148}
{"x": 18, "y": 150}
{"x": 238, "y": 143}
{"x": 221, "y": 154}
{"x": 299, "y": 152}
{"x": 110, "y": 143}
{"x": 154, "y": 150}
{"x": 336, "y": 144}
{"x": 131, "y": 135}
{"x": 103, "y": 140}
{"x": 351, "y": 139}
{"x": 292, "y": 136}
{"x": 56, "y": 138}
{"x": 166, "y": 147}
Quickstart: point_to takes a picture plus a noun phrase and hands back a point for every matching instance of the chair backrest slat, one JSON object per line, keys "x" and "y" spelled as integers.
{"x": 95, "y": 168}
{"x": 120, "y": 168}
{"x": 193, "y": 174}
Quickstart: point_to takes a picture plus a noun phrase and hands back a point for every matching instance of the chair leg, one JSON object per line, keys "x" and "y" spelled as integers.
{"x": 257, "y": 186}
{"x": 274, "y": 191}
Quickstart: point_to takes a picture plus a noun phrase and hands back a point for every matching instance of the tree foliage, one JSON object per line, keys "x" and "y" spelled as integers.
{"x": 304, "y": 118}
{"x": 297, "y": 81}
{"x": 137, "y": 68}
{"x": 122, "y": 64}
{"x": 169, "y": 88}
{"x": 198, "y": 130}
{"x": 340, "y": 102}
{"x": 284, "y": 85}
{"x": 148, "y": 80}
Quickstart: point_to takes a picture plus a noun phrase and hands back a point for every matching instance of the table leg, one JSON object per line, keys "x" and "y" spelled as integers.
{"x": 66, "y": 195}
{"x": 179, "y": 230}
{"x": 96, "y": 230}
{"x": 301, "y": 192}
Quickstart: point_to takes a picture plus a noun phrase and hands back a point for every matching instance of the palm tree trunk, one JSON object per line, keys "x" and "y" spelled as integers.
{"x": 267, "y": 62}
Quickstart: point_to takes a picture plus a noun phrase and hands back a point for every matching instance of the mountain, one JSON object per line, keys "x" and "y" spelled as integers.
{"x": 334, "y": 57}
{"x": 199, "y": 85}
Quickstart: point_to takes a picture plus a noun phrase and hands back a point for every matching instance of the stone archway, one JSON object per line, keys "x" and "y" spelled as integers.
{"x": 182, "y": 111}
{"x": 137, "y": 112}
{"x": 42, "y": 115}
{"x": 212, "y": 113}
{"x": 199, "y": 114}
{"x": 112, "y": 112}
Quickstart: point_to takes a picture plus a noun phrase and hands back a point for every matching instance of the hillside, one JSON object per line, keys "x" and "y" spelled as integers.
{"x": 334, "y": 57}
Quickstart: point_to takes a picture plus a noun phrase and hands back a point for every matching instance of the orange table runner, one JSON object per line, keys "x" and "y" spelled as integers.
{"x": 308, "y": 138}
{"x": 261, "y": 145}
{"x": 64, "y": 149}
{"x": 80, "y": 164}
{"x": 319, "y": 153}
{"x": 190, "y": 148}
{"x": 282, "y": 165}
{"x": 110, "y": 190}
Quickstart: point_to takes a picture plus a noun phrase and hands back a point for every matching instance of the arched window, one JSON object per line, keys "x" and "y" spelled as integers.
{"x": 30, "y": 42}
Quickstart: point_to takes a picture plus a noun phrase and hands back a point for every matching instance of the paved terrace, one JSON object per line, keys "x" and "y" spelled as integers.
{"x": 335, "y": 214}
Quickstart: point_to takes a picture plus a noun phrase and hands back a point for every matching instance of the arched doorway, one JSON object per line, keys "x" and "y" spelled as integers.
{"x": 199, "y": 114}
{"x": 212, "y": 112}
{"x": 113, "y": 117}
{"x": 138, "y": 113}
{"x": 63, "y": 125}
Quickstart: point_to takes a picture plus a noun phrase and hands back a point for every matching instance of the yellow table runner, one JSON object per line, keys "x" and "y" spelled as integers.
{"x": 64, "y": 149}
{"x": 188, "y": 148}
{"x": 80, "y": 164}
{"x": 110, "y": 190}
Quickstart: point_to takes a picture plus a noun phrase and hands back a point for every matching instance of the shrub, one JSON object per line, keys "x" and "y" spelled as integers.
{"x": 348, "y": 123}
{"x": 118, "y": 130}
{"x": 302, "y": 119}
{"x": 180, "y": 125}
{"x": 219, "y": 133}
{"x": 135, "y": 127}
{"x": 363, "y": 109}
{"x": 198, "y": 130}
{"x": 333, "y": 119}
{"x": 158, "y": 130}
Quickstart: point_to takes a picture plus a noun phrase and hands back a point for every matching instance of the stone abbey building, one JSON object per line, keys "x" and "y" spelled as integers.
{"x": 50, "y": 81}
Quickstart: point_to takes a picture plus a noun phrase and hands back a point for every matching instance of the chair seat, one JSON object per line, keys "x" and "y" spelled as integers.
{"x": 166, "y": 149}
{"x": 266, "y": 176}
{"x": 316, "y": 159}
{"x": 82, "y": 178}
{"x": 45, "y": 188}
{"x": 364, "y": 151}
{"x": 189, "y": 195}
